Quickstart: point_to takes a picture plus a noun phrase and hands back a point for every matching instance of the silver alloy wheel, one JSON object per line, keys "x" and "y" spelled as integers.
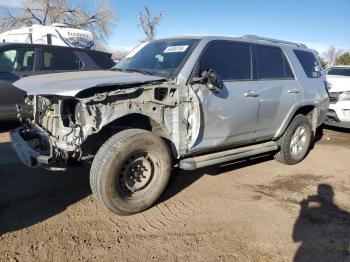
{"x": 297, "y": 144}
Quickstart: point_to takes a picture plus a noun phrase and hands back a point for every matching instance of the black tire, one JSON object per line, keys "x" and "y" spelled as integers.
{"x": 291, "y": 155}
{"x": 130, "y": 171}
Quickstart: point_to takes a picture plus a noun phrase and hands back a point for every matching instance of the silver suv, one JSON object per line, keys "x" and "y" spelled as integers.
{"x": 188, "y": 102}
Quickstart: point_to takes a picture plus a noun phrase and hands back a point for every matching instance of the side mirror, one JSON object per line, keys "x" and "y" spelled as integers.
{"x": 211, "y": 79}
{"x": 317, "y": 71}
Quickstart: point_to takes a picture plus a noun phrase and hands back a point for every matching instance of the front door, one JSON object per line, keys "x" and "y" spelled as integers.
{"x": 229, "y": 117}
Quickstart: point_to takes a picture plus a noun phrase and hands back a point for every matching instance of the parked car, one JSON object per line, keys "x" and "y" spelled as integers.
{"x": 19, "y": 60}
{"x": 339, "y": 109}
{"x": 188, "y": 102}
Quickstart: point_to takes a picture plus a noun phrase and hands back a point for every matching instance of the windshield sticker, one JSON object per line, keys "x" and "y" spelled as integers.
{"x": 176, "y": 49}
{"x": 160, "y": 58}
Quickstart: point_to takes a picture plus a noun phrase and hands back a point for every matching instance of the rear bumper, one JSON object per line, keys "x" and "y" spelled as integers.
{"x": 32, "y": 146}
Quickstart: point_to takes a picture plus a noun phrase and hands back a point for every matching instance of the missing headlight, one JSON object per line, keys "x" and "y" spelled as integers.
{"x": 72, "y": 113}
{"x": 79, "y": 114}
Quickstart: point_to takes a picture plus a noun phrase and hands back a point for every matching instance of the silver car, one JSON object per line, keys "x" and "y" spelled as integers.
{"x": 185, "y": 102}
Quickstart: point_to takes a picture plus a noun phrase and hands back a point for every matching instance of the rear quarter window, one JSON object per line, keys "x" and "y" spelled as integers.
{"x": 102, "y": 60}
{"x": 309, "y": 62}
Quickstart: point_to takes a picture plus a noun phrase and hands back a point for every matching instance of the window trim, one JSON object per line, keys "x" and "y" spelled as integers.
{"x": 284, "y": 57}
{"x": 210, "y": 43}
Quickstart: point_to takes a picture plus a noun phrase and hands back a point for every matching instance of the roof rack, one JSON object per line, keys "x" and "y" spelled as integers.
{"x": 259, "y": 38}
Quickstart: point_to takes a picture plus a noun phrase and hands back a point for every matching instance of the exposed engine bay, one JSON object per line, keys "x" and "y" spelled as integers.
{"x": 78, "y": 125}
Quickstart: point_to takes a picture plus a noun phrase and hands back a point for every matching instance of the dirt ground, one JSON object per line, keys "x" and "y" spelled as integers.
{"x": 255, "y": 210}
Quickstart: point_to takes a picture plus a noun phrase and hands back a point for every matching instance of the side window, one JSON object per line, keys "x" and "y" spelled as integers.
{"x": 7, "y": 60}
{"x": 60, "y": 60}
{"x": 17, "y": 60}
{"x": 272, "y": 64}
{"x": 102, "y": 60}
{"x": 308, "y": 62}
{"x": 28, "y": 60}
{"x": 232, "y": 61}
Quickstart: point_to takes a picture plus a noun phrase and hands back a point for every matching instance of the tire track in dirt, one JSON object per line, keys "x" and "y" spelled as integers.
{"x": 161, "y": 217}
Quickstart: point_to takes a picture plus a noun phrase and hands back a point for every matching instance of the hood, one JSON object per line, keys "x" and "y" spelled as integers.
{"x": 339, "y": 83}
{"x": 70, "y": 84}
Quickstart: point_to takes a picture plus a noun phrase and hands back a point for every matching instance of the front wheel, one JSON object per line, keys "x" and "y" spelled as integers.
{"x": 130, "y": 171}
{"x": 295, "y": 142}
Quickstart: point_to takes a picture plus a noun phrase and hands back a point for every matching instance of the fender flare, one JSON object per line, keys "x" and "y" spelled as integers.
{"x": 309, "y": 107}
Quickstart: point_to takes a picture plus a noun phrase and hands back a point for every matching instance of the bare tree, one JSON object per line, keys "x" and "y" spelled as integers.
{"x": 46, "y": 12}
{"x": 149, "y": 23}
{"x": 331, "y": 55}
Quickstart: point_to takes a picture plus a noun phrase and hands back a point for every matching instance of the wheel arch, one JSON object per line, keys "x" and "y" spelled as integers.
{"x": 134, "y": 120}
{"x": 307, "y": 110}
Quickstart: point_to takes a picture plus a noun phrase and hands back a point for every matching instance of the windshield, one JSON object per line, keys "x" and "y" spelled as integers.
{"x": 340, "y": 71}
{"x": 160, "y": 57}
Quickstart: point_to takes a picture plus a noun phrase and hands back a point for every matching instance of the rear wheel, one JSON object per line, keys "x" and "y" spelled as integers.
{"x": 130, "y": 171}
{"x": 295, "y": 142}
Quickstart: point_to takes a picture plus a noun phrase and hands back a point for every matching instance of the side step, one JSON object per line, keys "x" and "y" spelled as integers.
{"x": 228, "y": 155}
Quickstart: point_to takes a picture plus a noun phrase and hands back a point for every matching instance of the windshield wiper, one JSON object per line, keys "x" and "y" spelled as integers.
{"x": 145, "y": 72}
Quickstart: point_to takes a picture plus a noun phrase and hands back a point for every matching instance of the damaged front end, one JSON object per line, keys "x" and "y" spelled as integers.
{"x": 75, "y": 127}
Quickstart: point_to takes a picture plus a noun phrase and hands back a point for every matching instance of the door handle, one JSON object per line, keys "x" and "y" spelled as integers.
{"x": 293, "y": 91}
{"x": 251, "y": 93}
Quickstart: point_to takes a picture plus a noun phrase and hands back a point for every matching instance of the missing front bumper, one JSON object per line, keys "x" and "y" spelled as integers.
{"x": 32, "y": 156}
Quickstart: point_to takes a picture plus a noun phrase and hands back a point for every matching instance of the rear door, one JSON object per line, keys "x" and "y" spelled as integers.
{"x": 229, "y": 117}
{"x": 15, "y": 63}
{"x": 278, "y": 89}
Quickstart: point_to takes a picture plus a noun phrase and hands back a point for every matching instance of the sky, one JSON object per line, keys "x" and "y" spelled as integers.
{"x": 317, "y": 23}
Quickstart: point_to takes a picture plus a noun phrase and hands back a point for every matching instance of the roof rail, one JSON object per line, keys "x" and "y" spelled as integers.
{"x": 259, "y": 38}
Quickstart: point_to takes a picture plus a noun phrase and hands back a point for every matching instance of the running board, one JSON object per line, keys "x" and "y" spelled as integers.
{"x": 228, "y": 155}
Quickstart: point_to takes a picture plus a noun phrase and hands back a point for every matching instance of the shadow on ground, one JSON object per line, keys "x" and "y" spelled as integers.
{"x": 338, "y": 129}
{"x": 30, "y": 196}
{"x": 322, "y": 228}
{"x": 180, "y": 179}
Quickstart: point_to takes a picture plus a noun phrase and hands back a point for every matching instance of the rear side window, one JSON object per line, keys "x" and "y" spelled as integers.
{"x": 56, "y": 59}
{"x": 272, "y": 64}
{"x": 232, "y": 61}
{"x": 102, "y": 60}
{"x": 309, "y": 63}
